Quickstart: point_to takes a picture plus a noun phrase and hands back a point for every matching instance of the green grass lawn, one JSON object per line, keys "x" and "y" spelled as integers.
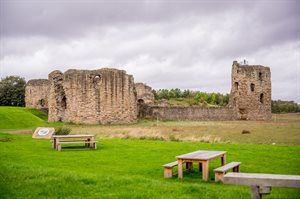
{"x": 124, "y": 168}
{"x": 20, "y": 118}
{"x": 132, "y": 167}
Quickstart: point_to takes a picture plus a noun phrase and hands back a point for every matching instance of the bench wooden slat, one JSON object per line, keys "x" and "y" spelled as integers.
{"x": 267, "y": 180}
{"x": 171, "y": 164}
{"x": 227, "y": 167}
{"x": 74, "y": 142}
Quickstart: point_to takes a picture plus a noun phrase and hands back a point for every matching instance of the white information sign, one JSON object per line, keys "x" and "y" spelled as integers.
{"x": 43, "y": 132}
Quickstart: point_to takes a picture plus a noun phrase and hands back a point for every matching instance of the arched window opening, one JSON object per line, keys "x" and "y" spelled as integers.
{"x": 140, "y": 101}
{"x": 252, "y": 86}
{"x": 261, "y": 98}
{"x": 97, "y": 78}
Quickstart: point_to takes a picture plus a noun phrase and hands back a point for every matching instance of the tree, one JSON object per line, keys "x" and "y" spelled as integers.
{"x": 279, "y": 106}
{"x": 12, "y": 91}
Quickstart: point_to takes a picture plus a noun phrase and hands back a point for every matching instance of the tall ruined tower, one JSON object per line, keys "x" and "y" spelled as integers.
{"x": 104, "y": 96}
{"x": 251, "y": 92}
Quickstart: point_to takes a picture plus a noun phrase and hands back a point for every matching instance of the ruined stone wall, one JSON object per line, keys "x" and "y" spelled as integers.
{"x": 144, "y": 93}
{"x": 104, "y": 96}
{"x": 251, "y": 92}
{"x": 109, "y": 96}
{"x": 189, "y": 113}
{"x": 36, "y": 93}
{"x": 250, "y": 99}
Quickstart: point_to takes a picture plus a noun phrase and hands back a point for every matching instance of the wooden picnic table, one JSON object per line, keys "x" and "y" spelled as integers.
{"x": 88, "y": 139}
{"x": 202, "y": 158}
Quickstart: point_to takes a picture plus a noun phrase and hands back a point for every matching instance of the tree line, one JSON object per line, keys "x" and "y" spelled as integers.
{"x": 279, "y": 106}
{"x": 200, "y": 97}
{"x": 12, "y": 93}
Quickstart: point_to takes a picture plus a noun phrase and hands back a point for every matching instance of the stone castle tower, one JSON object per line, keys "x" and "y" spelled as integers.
{"x": 251, "y": 92}
{"x": 104, "y": 96}
{"x": 36, "y": 93}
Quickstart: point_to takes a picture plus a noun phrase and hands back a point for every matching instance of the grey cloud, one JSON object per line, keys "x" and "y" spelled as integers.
{"x": 166, "y": 44}
{"x": 68, "y": 18}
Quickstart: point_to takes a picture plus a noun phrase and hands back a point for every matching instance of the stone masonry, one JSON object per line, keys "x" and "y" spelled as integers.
{"x": 250, "y": 99}
{"x": 251, "y": 92}
{"x": 144, "y": 93}
{"x": 110, "y": 96}
{"x": 104, "y": 96}
{"x": 36, "y": 93}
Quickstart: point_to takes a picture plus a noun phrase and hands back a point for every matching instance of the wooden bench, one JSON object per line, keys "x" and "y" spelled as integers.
{"x": 262, "y": 183}
{"x": 87, "y": 143}
{"x": 220, "y": 172}
{"x": 168, "y": 169}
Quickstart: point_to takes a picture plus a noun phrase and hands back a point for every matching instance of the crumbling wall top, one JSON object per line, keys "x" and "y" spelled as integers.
{"x": 37, "y": 82}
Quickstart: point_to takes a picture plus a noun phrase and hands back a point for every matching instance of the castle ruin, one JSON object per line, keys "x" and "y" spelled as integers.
{"x": 250, "y": 95}
{"x": 110, "y": 96}
{"x": 36, "y": 93}
{"x": 144, "y": 93}
{"x": 104, "y": 96}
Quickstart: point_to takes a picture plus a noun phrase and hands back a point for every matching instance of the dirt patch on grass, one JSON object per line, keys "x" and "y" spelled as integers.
{"x": 6, "y": 139}
{"x": 20, "y": 132}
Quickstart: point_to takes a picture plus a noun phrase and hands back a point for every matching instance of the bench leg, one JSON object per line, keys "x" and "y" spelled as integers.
{"x": 223, "y": 160}
{"x": 58, "y": 147}
{"x": 258, "y": 191}
{"x": 236, "y": 169}
{"x": 95, "y": 145}
{"x": 219, "y": 176}
{"x": 255, "y": 192}
{"x": 54, "y": 143}
{"x": 200, "y": 167}
{"x": 189, "y": 166}
{"x": 205, "y": 170}
{"x": 168, "y": 173}
{"x": 87, "y": 144}
{"x": 179, "y": 168}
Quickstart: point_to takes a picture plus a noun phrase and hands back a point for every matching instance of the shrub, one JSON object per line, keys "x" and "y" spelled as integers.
{"x": 62, "y": 131}
{"x": 246, "y": 132}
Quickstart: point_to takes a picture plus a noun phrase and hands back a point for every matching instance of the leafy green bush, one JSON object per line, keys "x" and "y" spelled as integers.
{"x": 62, "y": 131}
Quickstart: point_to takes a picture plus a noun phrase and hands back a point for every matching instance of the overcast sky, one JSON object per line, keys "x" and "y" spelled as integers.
{"x": 165, "y": 44}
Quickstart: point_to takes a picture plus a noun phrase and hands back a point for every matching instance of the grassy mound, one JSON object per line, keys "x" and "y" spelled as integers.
{"x": 20, "y": 117}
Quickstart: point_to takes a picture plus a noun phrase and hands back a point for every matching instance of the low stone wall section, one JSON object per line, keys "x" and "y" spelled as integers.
{"x": 188, "y": 113}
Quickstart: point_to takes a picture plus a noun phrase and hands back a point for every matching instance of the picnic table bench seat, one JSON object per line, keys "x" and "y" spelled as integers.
{"x": 220, "y": 172}
{"x": 168, "y": 169}
{"x": 59, "y": 143}
{"x": 262, "y": 183}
